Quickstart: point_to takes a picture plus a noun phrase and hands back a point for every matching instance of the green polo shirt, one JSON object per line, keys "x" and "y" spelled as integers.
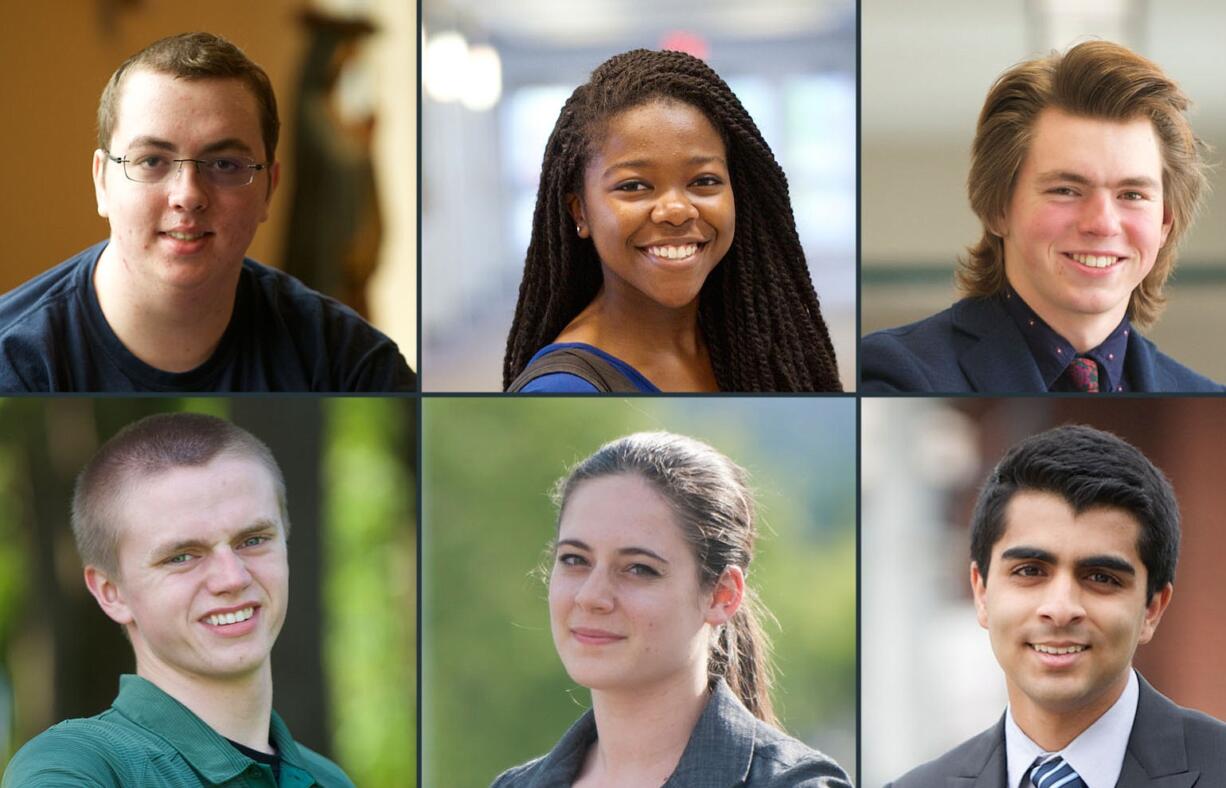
{"x": 148, "y": 738}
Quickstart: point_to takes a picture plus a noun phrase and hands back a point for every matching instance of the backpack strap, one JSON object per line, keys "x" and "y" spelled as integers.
{"x": 578, "y": 362}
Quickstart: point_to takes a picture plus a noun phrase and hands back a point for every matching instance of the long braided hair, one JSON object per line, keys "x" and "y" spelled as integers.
{"x": 757, "y": 310}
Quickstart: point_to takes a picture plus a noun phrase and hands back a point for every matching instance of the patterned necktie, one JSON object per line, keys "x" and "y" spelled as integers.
{"x": 1052, "y": 771}
{"x": 1083, "y": 372}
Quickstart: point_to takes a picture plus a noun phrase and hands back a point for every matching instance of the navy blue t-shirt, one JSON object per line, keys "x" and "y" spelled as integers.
{"x": 282, "y": 336}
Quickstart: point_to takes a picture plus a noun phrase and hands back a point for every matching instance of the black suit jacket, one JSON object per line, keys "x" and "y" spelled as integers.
{"x": 974, "y": 346}
{"x": 1169, "y": 747}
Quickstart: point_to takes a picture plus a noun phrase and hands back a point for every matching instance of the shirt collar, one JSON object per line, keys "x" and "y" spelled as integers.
{"x": 1053, "y": 353}
{"x": 1097, "y": 754}
{"x": 205, "y": 749}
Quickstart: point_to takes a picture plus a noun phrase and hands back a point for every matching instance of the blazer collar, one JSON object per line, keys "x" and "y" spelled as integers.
{"x": 1157, "y": 756}
{"x": 983, "y": 764}
{"x": 1000, "y": 361}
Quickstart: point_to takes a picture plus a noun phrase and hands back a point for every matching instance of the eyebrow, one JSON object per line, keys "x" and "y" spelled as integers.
{"x": 621, "y": 551}
{"x": 258, "y": 527}
{"x": 1064, "y": 176}
{"x": 1112, "y": 562}
{"x": 228, "y": 143}
{"x": 636, "y": 163}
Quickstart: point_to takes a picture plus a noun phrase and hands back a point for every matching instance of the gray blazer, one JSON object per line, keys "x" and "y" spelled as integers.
{"x": 1169, "y": 747}
{"x": 729, "y": 747}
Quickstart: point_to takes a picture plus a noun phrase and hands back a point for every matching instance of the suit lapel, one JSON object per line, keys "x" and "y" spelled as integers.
{"x": 1000, "y": 360}
{"x": 1142, "y": 371}
{"x": 983, "y": 765}
{"x": 1157, "y": 755}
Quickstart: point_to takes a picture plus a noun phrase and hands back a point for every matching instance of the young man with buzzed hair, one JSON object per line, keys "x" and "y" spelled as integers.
{"x": 180, "y": 520}
{"x": 1074, "y": 542}
{"x": 184, "y": 172}
{"x": 1085, "y": 174}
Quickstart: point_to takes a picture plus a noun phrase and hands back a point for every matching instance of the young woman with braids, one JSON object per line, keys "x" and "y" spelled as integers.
{"x": 650, "y": 610}
{"x": 664, "y": 253}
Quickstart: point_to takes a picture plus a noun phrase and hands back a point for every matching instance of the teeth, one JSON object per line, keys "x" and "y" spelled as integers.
{"x": 184, "y": 236}
{"x": 1055, "y": 650}
{"x": 673, "y": 252}
{"x": 1094, "y": 260}
{"x": 220, "y": 619}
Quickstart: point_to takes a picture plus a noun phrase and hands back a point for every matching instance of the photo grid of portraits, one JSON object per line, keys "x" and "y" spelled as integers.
{"x": 794, "y": 394}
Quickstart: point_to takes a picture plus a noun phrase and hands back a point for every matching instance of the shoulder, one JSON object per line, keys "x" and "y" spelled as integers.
{"x": 1159, "y": 718}
{"x": 908, "y": 358}
{"x": 94, "y": 751}
{"x": 33, "y": 296}
{"x": 982, "y": 753}
{"x": 1173, "y": 376}
{"x": 360, "y": 357}
{"x": 780, "y": 760}
{"x": 521, "y": 775}
{"x": 559, "y": 383}
{"x": 325, "y": 772}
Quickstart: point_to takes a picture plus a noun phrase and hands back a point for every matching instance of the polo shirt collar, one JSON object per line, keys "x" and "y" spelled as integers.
{"x": 208, "y": 752}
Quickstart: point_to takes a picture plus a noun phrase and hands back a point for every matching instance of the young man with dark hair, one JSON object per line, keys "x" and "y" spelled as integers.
{"x": 1074, "y": 542}
{"x": 185, "y": 171}
{"x": 180, "y": 522}
{"x": 1085, "y": 175}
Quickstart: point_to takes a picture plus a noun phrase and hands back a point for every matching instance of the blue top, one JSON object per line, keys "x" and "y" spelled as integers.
{"x": 566, "y": 383}
{"x": 282, "y": 336}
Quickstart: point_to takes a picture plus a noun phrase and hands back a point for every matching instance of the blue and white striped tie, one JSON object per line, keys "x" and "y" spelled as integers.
{"x": 1052, "y": 771}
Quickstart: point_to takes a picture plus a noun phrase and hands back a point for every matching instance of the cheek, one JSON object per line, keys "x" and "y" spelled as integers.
{"x": 1041, "y": 225}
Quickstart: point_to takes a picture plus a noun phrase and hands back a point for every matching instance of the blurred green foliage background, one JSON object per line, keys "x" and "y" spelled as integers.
{"x": 493, "y": 691}
{"x": 345, "y": 664}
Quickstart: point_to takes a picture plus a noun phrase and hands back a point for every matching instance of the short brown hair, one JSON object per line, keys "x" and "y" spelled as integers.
{"x": 1096, "y": 79}
{"x": 194, "y": 56}
{"x": 153, "y": 445}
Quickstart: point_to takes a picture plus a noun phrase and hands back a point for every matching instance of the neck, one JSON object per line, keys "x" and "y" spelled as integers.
{"x": 237, "y": 707}
{"x": 1054, "y": 727}
{"x": 169, "y": 329}
{"x": 663, "y": 343}
{"x": 642, "y": 733}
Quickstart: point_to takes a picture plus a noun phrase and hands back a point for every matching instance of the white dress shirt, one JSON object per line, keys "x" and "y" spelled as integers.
{"x": 1097, "y": 754}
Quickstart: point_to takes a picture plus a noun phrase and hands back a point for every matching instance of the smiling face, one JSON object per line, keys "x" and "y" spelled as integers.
{"x": 1086, "y": 219}
{"x": 625, "y": 604}
{"x": 1064, "y": 605}
{"x": 183, "y": 232}
{"x": 657, "y": 202}
{"x": 202, "y": 579}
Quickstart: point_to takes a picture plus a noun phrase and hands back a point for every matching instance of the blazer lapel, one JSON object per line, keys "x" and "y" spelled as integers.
{"x": 1142, "y": 372}
{"x": 1157, "y": 756}
{"x": 983, "y": 765}
{"x": 1000, "y": 361}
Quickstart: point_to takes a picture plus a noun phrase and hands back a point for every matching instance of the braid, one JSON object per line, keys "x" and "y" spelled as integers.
{"x": 758, "y": 311}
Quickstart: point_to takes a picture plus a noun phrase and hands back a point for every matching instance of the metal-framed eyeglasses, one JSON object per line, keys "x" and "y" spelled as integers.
{"x": 226, "y": 172}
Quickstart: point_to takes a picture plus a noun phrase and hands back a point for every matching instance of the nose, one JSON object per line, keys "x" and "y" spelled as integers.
{"x": 1100, "y": 215}
{"x": 227, "y": 573}
{"x": 596, "y": 593}
{"x": 673, "y": 207}
{"x": 1061, "y": 604}
{"x": 186, "y": 190}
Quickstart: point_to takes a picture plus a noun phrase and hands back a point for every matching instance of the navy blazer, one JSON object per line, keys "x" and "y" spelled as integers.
{"x": 974, "y": 346}
{"x": 1169, "y": 747}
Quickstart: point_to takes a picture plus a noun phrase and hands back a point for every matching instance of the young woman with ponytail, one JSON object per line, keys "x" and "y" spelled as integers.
{"x": 651, "y": 610}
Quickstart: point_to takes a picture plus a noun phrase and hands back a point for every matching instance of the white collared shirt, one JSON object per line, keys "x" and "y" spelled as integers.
{"x": 1097, "y": 754}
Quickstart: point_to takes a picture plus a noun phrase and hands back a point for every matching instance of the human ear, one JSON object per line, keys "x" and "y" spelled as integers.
{"x": 99, "y": 173}
{"x": 1154, "y": 611}
{"x": 727, "y": 596}
{"x": 108, "y": 595}
{"x": 274, "y": 178}
{"x": 574, "y": 203}
{"x": 980, "y": 592}
{"x": 1168, "y": 219}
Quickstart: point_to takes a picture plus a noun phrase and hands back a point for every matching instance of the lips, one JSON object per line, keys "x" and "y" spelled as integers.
{"x": 674, "y": 251}
{"x": 1095, "y": 260}
{"x": 595, "y": 637}
{"x": 232, "y": 621}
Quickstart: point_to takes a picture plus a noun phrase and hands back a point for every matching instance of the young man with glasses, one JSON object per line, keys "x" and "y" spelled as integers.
{"x": 185, "y": 171}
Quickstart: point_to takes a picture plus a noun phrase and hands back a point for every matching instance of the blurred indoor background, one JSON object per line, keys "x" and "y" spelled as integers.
{"x": 57, "y": 57}
{"x": 490, "y": 674}
{"x": 928, "y": 677}
{"x": 926, "y": 69}
{"x": 344, "y": 667}
{"x": 496, "y": 73}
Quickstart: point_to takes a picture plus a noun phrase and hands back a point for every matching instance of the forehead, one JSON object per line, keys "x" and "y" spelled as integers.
{"x": 1114, "y": 149}
{"x": 211, "y": 502}
{"x": 185, "y": 112}
{"x": 617, "y": 511}
{"x": 661, "y": 131}
{"x": 1046, "y": 521}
